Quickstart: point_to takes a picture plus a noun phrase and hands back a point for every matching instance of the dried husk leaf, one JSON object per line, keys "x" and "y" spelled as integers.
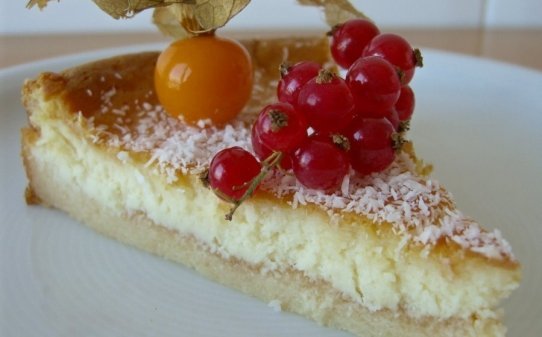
{"x": 168, "y": 23}
{"x": 117, "y": 8}
{"x": 336, "y": 11}
{"x": 196, "y": 17}
{"x": 40, "y": 3}
{"x": 182, "y": 18}
{"x": 216, "y": 13}
{"x": 128, "y": 8}
{"x": 177, "y": 18}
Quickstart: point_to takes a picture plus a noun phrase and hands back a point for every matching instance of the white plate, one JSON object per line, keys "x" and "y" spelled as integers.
{"x": 479, "y": 122}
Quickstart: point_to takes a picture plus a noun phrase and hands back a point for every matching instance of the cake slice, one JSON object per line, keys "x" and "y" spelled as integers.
{"x": 387, "y": 255}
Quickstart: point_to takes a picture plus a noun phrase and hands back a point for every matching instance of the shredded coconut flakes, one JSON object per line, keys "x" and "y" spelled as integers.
{"x": 417, "y": 208}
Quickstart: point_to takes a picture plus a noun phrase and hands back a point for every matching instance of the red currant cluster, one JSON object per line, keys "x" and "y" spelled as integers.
{"x": 324, "y": 124}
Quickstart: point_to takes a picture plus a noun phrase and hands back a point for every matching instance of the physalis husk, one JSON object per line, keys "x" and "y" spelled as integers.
{"x": 336, "y": 11}
{"x": 183, "y": 18}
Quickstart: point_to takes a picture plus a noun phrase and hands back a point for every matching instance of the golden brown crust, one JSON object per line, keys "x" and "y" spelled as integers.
{"x": 132, "y": 75}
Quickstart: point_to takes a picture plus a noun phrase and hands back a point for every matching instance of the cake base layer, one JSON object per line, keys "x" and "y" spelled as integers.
{"x": 297, "y": 293}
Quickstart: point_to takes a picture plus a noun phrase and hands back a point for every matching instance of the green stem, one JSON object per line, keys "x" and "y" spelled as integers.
{"x": 267, "y": 165}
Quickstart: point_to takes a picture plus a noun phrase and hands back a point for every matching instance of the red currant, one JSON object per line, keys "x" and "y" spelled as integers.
{"x": 405, "y": 104}
{"x": 281, "y": 128}
{"x": 393, "y": 117}
{"x": 349, "y": 39}
{"x": 371, "y": 144}
{"x": 374, "y": 84}
{"x": 293, "y": 78}
{"x": 390, "y": 114}
{"x": 231, "y": 171}
{"x": 326, "y": 102}
{"x": 370, "y": 161}
{"x": 263, "y": 152}
{"x": 397, "y": 51}
{"x": 320, "y": 164}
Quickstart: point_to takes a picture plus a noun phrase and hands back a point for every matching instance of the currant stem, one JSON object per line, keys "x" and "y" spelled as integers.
{"x": 397, "y": 141}
{"x": 404, "y": 126}
{"x": 284, "y": 69}
{"x": 267, "y": 165}
{"x": 278, "y": 120}
{"x": 418, "y": 58}
{"x": 333, "y": 29}
{"x": 340, "y": 141}
{"x": 325, "y": 76}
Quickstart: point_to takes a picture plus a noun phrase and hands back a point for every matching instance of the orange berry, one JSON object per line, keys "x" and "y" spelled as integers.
{"x": 204, "y": 77}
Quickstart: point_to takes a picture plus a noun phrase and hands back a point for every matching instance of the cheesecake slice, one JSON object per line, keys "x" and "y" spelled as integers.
{"x": 387, "y": 255}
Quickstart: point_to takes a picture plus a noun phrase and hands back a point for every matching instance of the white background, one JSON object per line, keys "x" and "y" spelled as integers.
{"x": 70, "y": 16}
